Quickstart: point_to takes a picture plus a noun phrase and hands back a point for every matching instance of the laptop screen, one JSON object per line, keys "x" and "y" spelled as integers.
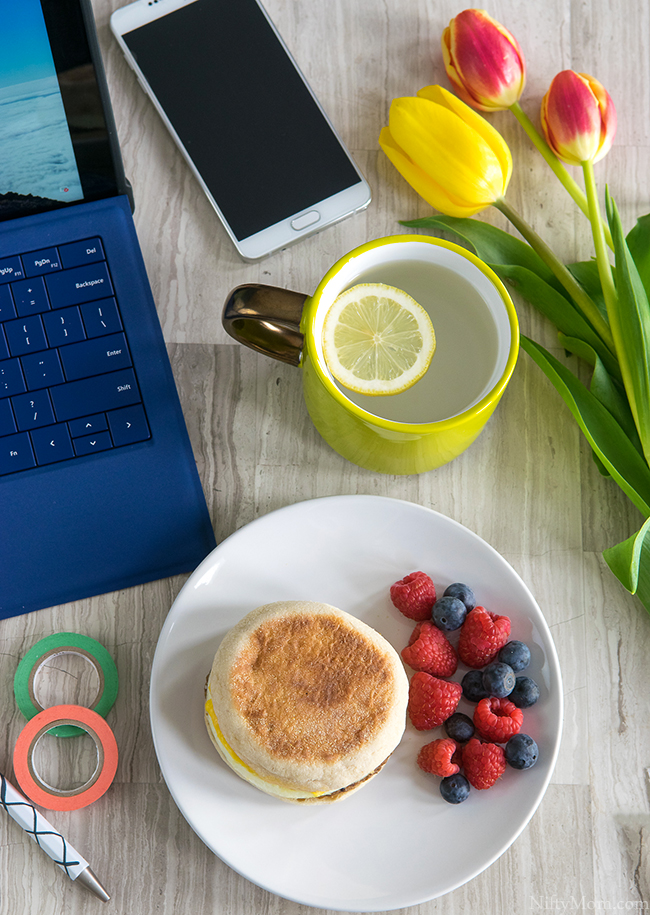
{"x": 56, "y": 147}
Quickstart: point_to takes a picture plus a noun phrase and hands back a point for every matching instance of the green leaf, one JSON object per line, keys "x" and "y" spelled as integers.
{"x": 624, "y": 559}
{"x": 638, "y": 243}
{"x": 604, "y": 389}
{"x": 643, "y": 584}
{"x": 586, "y": 273}
{"x": 631, "y": 328}
{"x": 558, "y": 309}
{"x": 492, "y": 245}
{"x": 601, "y": 430}
{"x": 630, "y": 563}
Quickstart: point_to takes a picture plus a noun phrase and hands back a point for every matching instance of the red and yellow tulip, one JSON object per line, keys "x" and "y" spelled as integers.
{"x": 483, "y": 61}
{"x": 578, "y": 118}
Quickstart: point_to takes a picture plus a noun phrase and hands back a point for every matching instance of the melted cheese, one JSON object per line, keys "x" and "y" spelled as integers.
{"x": 244, "y": 770}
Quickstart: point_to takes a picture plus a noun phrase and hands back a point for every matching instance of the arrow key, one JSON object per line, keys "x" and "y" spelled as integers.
{"x": 91, "y": 443}
{"x": 52, "y": 443}
{"x": 129, "y": 425}
{"x": 88, "y": 425}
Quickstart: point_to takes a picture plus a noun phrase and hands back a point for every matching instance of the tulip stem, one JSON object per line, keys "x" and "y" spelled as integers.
{"x": 602, "y": 259}
{"x": 557, "y": 167}
{"x": 566, "y": 278}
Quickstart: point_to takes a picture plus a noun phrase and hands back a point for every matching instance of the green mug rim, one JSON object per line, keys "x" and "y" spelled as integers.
{"x": 486, "y": 401}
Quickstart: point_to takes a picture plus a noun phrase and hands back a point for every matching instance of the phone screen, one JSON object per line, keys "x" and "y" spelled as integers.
{"x": 242, "y": 112}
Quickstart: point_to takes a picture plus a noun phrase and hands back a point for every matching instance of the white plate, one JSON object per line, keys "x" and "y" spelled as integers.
{"x": 395, "y": 843}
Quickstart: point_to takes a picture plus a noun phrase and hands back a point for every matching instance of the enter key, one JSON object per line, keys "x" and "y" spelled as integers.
{"x": 94, "y": 357}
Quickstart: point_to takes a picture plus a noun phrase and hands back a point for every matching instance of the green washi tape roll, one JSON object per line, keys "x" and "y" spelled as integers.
{"x": 51, "y": 647}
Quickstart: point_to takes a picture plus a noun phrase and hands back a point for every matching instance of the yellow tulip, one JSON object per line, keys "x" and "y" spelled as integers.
{"x": 447, "y": 152}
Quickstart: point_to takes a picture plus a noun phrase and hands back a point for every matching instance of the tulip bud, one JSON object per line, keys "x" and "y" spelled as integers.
{"x": 483, "y": 61}
{"x": 448, "y": 153}
{"x": 578, "y": 118}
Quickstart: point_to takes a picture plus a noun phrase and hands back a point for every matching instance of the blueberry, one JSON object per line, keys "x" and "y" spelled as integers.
{"x": 498, "y": 679}
{"x": 448, "y": 613}
{"x": 473, "y": 689}
{"x": 459, "y": 727}
{"x": 516, "y": 654}
{"x": 462, "y": 592}
{"x": 525, "y": 693}
{"x": 454, "y": 788}
{"x": 521, "y": 751}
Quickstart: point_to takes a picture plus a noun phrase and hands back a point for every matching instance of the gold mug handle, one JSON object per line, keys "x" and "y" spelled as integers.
{"x": 267, "y": 319}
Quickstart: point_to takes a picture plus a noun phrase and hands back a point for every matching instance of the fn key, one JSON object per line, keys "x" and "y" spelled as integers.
{"x": 128, "y": 425}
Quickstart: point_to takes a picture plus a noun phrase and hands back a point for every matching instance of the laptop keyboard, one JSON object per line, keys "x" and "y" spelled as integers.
{"x": 67, "y": 384}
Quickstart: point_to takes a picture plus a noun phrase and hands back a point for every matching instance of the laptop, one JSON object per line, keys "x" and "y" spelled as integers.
{"x": 98, "y": 484}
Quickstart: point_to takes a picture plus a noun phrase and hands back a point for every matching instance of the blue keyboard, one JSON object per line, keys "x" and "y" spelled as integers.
{"x": 67, "y": 384}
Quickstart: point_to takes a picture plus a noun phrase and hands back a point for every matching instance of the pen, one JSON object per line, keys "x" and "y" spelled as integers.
{"x": 51, "y": 841}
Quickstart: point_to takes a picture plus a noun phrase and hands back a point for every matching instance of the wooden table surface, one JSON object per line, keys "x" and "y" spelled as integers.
{"x": 528, "y": 485}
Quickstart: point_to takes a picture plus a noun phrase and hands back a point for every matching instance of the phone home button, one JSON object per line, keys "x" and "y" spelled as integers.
{"x": 307, "y": 219}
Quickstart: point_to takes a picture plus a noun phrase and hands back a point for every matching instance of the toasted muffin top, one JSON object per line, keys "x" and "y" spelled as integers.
{"x": 311, "y": 687}
{"x": 308, "y": 694}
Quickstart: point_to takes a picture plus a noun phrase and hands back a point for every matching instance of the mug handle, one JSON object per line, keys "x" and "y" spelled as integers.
{"x": 267, "y": 319}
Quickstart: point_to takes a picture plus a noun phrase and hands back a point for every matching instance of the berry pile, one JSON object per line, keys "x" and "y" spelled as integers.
{"x": 450, "y": 629}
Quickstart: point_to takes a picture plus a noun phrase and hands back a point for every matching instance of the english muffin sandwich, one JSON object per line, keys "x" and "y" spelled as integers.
{"x": 305, "y": 702}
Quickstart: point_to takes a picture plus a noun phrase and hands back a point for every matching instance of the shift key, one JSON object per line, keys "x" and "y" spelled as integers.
{"x": 95, "y": 395}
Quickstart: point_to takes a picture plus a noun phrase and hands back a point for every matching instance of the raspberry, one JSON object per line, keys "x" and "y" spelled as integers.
{"x": 430, "y": 650}
{"x": 414, "y": 596}
{"x": 431, "y": 700}
{"x": 483, "y": 763}
{"x": 437, "y": 757}
{"x": 497, "y": 719}
{"x": 481, "y": 636}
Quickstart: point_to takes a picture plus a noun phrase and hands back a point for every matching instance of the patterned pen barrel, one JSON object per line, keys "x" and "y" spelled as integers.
{"x": 48, "y": 838}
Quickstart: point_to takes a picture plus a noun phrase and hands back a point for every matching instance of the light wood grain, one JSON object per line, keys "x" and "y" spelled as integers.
{"x": 528, "y": 485}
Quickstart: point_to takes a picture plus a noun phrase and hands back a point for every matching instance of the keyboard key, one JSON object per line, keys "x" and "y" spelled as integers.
{"x": 30, "y": 296}
{"x": 42, "y": 369}
{"x": 25, "y": 336}
{"x": 11, "y": 269}
{"x": 81, "y": 284}
{"x": 32, "y": 410}
{"x": 88, "y": 425}
{"x": 78, "y": 253}
{"x": 103, "y": 354}
{"x": 4, "y": 349}
{"x": 38, "y": 262}
{"x": 16, "y": 453}
{"x": 101, "y": 317}
{"x": 129, "y": 425}
{"x": 52, "y": 443}
{"x": 64, "y": 326}
{"x": 7, "y": 308}
{"x": 95, "y": 395}
{"x": 7, "y": 421}
{"x": 91, "y": 443}
{"x": 11, "y": 378}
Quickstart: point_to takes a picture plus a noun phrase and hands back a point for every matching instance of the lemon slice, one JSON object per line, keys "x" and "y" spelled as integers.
{"x": 377, "y": 339}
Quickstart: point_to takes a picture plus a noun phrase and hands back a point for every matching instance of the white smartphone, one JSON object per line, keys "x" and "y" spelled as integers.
{"x": 243, "y": 116}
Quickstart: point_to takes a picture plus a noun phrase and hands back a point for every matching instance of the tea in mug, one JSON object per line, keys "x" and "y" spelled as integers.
{"x": 463, "y": 365}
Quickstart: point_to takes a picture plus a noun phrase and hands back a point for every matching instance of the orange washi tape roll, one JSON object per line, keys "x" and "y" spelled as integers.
{"x": 30, "y": 781}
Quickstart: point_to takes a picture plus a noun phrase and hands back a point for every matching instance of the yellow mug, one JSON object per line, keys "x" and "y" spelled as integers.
{"x": 477, "y": 337}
